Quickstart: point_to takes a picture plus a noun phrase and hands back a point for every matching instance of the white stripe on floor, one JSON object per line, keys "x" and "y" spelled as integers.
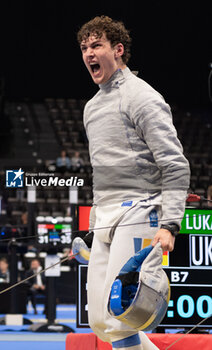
{"x": 34, "y": 337}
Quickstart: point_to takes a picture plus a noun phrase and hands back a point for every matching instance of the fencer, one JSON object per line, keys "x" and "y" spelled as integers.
{"x": 140, "y": 174}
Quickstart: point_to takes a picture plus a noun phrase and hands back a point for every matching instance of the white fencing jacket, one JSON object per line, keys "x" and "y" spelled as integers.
{"x": 133, "y": 145}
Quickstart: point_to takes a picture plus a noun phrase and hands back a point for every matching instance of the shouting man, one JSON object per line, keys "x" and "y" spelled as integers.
{"x": 139, "y": 172}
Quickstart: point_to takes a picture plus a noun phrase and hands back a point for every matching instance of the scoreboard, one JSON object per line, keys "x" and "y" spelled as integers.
{"x": 54, "y": 234}
{"x": 189, "y": 268}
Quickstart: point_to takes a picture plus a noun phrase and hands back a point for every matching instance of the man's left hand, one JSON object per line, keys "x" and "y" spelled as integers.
{"x": 166, "y": 239}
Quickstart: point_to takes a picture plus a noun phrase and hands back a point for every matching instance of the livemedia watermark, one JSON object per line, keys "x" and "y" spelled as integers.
{"x": 19, "y": 179}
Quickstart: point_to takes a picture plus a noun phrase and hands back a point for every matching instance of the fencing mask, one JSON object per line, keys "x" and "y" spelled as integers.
{"x": 140, "y": 293}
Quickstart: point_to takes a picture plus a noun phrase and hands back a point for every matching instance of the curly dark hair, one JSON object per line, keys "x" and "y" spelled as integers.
{"x": 115, "y": 32}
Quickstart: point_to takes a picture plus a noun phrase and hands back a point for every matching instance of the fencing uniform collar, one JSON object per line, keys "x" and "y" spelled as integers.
{"x": 116, "y": 79}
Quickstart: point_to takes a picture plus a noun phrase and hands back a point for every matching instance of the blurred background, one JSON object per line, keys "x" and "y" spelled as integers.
{"x": 171, "y": 47}
{"x": 44, "y": 87}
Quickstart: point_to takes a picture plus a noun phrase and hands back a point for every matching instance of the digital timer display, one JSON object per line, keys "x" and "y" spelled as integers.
{"x": 188, "y": 306}
{"x": 189, "y": 269}
{"x": 54, "y": 234}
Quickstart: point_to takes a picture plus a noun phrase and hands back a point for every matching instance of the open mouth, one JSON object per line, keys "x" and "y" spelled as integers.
{"x": 95, "y": 67}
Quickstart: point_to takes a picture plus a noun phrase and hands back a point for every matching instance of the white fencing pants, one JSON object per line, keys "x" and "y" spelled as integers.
{"x": 109, "y": 254}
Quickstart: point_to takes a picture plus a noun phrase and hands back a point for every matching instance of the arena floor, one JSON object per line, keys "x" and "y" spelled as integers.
{"x": 19, "y": 338}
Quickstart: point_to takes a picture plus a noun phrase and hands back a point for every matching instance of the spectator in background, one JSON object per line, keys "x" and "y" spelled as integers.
{"x": 77, "y": 163}
{"x": 4, "y": 270}
{"x": 24, "y": 218}
{"x": 63, "y": 162}
{"x": 31, "y": 248}
{"x": 209, "y": 195}
{"x": 37, "y": 284}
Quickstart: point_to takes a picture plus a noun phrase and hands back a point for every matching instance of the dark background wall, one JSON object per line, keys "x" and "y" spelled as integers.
{"x": 170, "y": 49}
